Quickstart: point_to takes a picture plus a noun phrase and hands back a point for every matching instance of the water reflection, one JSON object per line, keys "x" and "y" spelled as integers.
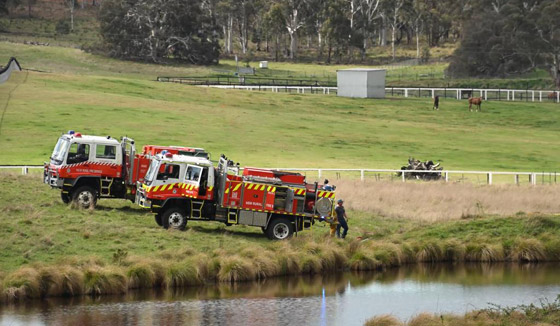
{"x": 338, "y": 299}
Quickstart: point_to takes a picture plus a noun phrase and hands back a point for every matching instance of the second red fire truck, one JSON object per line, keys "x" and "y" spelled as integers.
{"x": 178, "y": 188}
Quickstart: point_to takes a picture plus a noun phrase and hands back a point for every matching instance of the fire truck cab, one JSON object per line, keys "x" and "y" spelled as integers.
{"x": 86, "y": 167}
{"x": 178, "y": 188}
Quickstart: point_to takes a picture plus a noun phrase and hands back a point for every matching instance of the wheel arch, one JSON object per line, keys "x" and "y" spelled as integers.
{"x": 175, "y": 201}
{"x": 93, "y": 182}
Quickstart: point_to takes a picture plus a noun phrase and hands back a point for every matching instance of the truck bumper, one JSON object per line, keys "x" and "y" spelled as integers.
{"x": 51, "y": 178}
{"x": 141, "y": 199}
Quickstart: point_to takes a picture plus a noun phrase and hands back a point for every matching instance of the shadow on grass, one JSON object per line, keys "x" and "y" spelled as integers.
{"x": 122, "y": 209}
{"x": 232, "y": 230}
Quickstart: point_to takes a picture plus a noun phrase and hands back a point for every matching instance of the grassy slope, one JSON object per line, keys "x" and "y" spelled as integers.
{"x": 262, "y": 128}
{"x": 36, "y": 227}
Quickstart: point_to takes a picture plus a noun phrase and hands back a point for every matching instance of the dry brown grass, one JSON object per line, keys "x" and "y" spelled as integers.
{"x": 436, "y": 201}
{"x": 384, "y": 320}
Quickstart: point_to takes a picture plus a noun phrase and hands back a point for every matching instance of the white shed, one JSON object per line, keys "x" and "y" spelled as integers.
{"x": 361, "y": 82}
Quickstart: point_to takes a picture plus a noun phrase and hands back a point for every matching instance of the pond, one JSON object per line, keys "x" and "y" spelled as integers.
{"x": 338, "y": 299}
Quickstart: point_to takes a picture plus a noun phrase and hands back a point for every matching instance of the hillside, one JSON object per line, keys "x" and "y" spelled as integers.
{"x": 96, "y": 95}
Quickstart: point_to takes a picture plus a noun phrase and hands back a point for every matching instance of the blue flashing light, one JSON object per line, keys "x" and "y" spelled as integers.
{"x": 164, "y": 152}
{"x": 71, "y": 132}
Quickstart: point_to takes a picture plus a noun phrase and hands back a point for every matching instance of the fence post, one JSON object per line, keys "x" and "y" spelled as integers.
{"x": 516, "y": 179}
{"x": 533, "y": 93}
{"x": 403, "y": 178}
{"x": 446, "y": 176}
{"x": 319, "y": 173}
{"x": 489, "y": 178}
{"x": 24, "y": 170}
{"x": 540, "y": 96}
{"x": 433, "y": 93}
{"x": 362, "y": 175}
{"x": 406, "y": 92}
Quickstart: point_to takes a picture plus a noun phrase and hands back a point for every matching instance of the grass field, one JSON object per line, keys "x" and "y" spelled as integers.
{"x": 86, "y": 93}
{"x": 118, "y": 246}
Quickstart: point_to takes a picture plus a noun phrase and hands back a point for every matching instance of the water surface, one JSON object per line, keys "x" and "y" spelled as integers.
{"x": 338, "y": 299}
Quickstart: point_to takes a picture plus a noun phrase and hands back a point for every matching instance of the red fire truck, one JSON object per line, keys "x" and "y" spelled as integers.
{"x": 86, "y": 168}
{"x": 178, "y": 188}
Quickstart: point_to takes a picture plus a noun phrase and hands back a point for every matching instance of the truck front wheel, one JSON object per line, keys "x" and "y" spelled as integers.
{"x": 174, "y": 218}
{"x": 85, "y": 197}
{"x": 280, "y": 229}
{"x": 65, "y": 198}
{"x": 158, "y": 219}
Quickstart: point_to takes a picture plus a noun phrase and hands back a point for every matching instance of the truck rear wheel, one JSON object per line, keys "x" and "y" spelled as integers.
{"x": 85, "y": 197}
{"x": 280, "y": 229}
{"x": 174, "y": 218}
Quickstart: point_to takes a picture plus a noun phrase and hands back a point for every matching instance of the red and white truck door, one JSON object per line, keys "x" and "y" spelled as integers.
{"x": 193, "y": 176}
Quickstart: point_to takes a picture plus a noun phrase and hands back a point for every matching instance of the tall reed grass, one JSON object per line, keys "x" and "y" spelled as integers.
{"x": 437, "y": 201}
{"x": 307, "y": 254}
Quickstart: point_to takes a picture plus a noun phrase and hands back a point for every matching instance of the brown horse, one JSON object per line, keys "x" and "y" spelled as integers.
{"x": 477, "y": 102}
{"x": 552, "y": 95}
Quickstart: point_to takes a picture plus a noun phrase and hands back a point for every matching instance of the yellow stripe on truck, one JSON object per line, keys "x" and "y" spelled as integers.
{"x": 237, "y": 187}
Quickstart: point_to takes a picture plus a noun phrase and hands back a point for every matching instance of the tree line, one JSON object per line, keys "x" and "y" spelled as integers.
{"x": 496, "y": 37}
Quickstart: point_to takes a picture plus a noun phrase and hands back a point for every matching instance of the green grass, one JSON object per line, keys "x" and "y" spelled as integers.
{"x": 119, "y": 242}
{"x": 262, "y": 129}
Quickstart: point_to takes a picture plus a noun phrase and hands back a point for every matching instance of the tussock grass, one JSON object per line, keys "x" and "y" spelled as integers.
{"x": 236, "y": 269}
{"x": 528, "y": 250}
{"x": 310, "y": 264}
{"x": 288, "y": 261}
{"x": 101, "y": 280}
{"x": 362, "y": 260}
{"x": 388, "y": 254}
{"x": 141, "y": 275}
{"x": 453, "y": 251}
{"x": 182, "y": 274}
{"x": 429, "y": 252}
{"x": 440, "y": 201}
{"x": 25, "y": 283}
{"x": 384, "y": 320}
{"x": 484, "y": 253}
{"x": 60, "y": 281}
{"x": 265, "y": 264}
{"x": 424, "y": 319}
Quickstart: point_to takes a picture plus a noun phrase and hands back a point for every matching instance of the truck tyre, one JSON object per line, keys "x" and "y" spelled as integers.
{"x": 158, "y": 219}
{"x": 65, "y": 198}
{"x": 175, "y": 218}
{"x": 280, "y": 229}
{"x": 85, "y": 197}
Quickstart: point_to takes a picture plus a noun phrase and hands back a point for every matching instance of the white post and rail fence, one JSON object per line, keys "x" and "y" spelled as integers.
{"x": 520, "y": 95}
{"x": 489, "y": 177}
{"x": 277, "y": 85}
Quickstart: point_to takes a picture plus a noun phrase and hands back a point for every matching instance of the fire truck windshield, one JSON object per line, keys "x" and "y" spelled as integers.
{"x": 152, "y": 171}
{"x": 60, "y": 150}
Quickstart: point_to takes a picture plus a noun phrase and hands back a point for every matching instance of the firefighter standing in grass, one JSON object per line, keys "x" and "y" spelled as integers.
{"x": 342, "y": 219}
